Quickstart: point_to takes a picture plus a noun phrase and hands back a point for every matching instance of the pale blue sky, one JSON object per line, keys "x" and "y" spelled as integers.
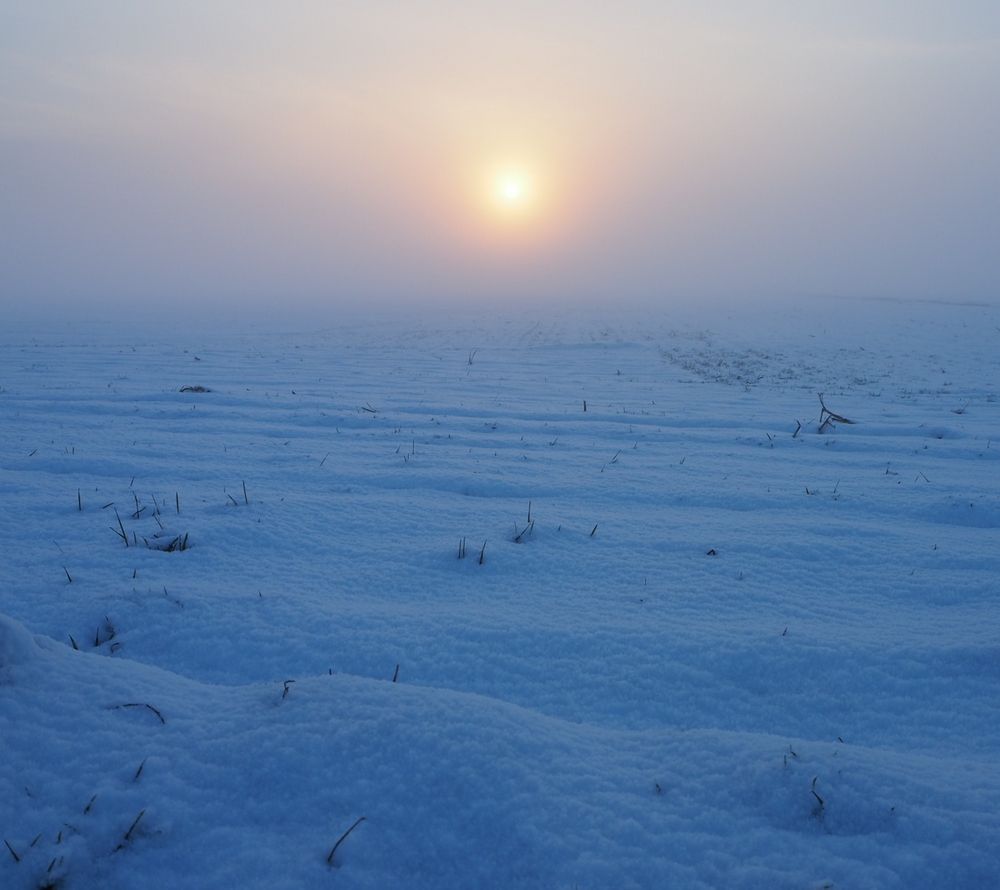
{"x": 318, "y": 152}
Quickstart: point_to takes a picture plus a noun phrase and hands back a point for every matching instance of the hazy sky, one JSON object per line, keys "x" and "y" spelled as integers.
{"x": 288, "y": 153}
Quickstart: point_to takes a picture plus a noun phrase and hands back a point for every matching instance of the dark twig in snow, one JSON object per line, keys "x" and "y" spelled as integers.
{"x": 828, "y": 417}
{"x": 820, "y": 802}
{"x": 139, "y": 705}
{"x": 132, "y": 827}
{"x": 120, "y": 531}
{"x": 341, "y": 839}
{"x": 527, "y": 530}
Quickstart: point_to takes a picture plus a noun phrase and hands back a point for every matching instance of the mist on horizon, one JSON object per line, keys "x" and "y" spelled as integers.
{"x": 384, "y": 154}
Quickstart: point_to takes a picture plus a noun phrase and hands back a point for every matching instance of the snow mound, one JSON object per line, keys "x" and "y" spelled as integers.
{"x": 17, "y": 646}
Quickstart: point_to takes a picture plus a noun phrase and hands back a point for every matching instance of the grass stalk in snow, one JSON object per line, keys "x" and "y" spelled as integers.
{"x": 527, "y": 530}
{"x": 120, "y": 531}
{"x": 140, "y": 705}
{"x": 828, "y": 417}
{"x": 820, "y": 803}
{"x": 131, "y": 829}
{"x": 340, "y": 840}
{"x": 179, "y": 543}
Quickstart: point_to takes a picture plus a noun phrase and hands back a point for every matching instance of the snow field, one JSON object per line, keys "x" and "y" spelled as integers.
{"x": 643, "y": 705}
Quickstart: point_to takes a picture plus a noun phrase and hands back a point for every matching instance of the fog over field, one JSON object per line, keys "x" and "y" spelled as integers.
{"x": 196, "y": 153}
{"x": 488, "y": 446}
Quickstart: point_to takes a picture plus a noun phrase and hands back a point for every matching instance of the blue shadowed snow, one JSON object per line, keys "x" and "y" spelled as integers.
{"x": 726, "y": 648}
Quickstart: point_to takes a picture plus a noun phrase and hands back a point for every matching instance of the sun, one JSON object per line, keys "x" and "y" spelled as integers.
{"x": 515, "y": 200}
{"x": 512, "y": 193}
{"x": 511, "y": 189}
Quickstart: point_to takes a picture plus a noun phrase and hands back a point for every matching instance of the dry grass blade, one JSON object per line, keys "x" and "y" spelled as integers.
{"x": 139, "y": 705}
{"x": 120, "y": 531}
{"x": 828, "y": 417}
{"x": 131, "y": 828}
{"x": 342, "y": 838}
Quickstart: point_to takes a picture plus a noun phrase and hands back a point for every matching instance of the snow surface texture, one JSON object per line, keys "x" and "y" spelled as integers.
{"x": 722, "y": 652}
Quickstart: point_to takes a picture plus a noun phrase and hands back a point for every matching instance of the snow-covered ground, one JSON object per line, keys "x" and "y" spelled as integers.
{"x": 726, "y": 649}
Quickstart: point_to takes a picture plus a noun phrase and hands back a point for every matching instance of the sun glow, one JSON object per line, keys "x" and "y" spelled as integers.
{"x": 517, "y": 199}
{"x": 511, "y": 193}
